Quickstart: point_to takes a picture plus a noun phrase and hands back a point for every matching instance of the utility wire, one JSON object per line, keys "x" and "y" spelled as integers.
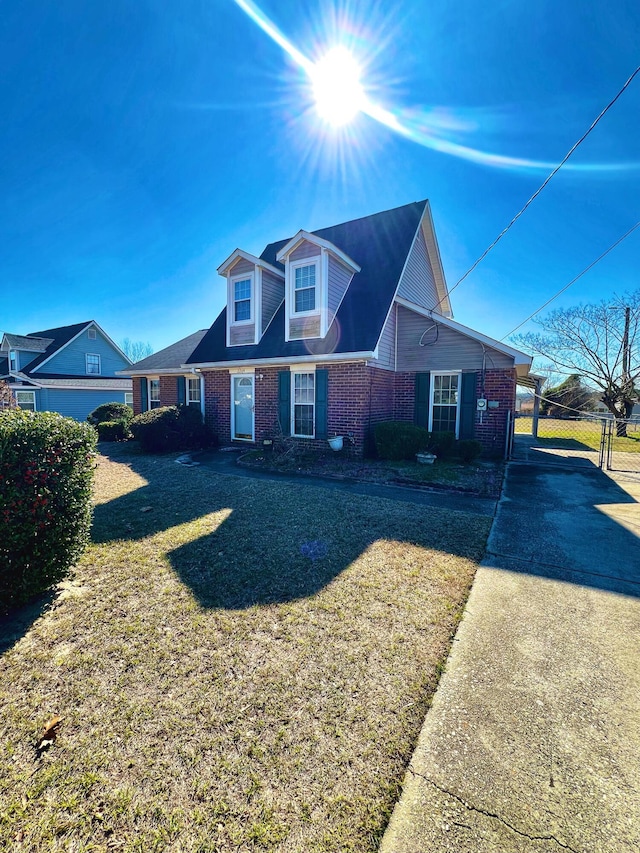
{"x": 573, "y": 280}
{"x": 542, "y": 186}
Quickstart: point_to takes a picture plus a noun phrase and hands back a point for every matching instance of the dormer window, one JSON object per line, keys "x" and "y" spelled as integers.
{"x": 242, "y": 287}
{"x": 305, "y": 276}
{"x": 13, "y": 360}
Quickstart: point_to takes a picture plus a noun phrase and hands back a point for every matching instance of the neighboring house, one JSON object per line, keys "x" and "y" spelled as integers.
{"x": 70, "y": 370}
{"x": 330, "y": 332}
{"x": 162, "y": 380}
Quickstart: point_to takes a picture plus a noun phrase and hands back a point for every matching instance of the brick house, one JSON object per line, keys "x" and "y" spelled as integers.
{"x": 330, "y": 332}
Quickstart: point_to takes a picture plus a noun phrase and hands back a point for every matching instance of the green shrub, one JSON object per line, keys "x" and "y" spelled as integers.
{"x": 442, "y": 444}
{"x": 399, "y": 440}
{"x": 468, "y": 450}
{"x": 170, "y": 428}
{"x": 46, "y": 472}
{"x": 110, "y": 412}
{"x": 113, "y": 430}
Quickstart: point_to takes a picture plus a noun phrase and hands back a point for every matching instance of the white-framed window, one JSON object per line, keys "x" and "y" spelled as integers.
{"x": 91, "y": 334}
{"x": 303, "y": 404}
{"x": 128, "y": 398}
{"x": 93, "y": 363}
{"x": 305, "y": 282}
{"x": 154, "y": 393}
{"x": 26, "y": 400}
{"x": 13, "y": 360}
{"x": 444, "y": 411}
{"x": 193, "y": 391}
{"x": 242, "y": 299}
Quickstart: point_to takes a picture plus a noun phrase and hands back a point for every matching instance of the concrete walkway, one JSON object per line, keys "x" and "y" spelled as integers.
{"x": 533, "y": 740}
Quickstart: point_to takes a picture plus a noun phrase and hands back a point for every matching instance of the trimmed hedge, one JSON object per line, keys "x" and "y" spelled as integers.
{"x": 110, "y": 412}
{"x": 399, "y": 440}
{"x": 468, "y": 450}
{"x": 171, "y": 428}
{"x": 443, "y": 444}
{"x": 46, "y": 474}
{"x": 114, "y": 430}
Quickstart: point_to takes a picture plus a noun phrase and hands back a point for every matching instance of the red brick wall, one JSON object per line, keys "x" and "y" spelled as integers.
{"x": 168, "y": 391}
{"x": 217, "y": 403}
{"x": 137, "y": 397}
{"x": 404, "y": 396}
{"x": 499, "y": 386}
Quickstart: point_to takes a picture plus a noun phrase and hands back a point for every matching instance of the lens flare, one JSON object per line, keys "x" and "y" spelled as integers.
{"x": 337, "y": 90}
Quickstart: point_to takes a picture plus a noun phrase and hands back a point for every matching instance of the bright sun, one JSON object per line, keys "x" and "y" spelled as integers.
{"x": 337, "y": 90}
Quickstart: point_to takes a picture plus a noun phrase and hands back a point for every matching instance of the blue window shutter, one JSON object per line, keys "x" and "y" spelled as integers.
{"x": 284, "y": 401}
{"x": 182, "y": 390}
{"x": 468, "y": 405}
{"x": 322, "y": 402}
{"x": 421, "y": 400}
{"x": 144, "y": 397}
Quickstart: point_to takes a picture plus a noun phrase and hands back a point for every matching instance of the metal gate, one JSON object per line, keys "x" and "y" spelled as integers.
{"x": 622, "y": 445}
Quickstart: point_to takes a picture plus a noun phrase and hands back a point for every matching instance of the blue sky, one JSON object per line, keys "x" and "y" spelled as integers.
{"x": 143, "y": 142}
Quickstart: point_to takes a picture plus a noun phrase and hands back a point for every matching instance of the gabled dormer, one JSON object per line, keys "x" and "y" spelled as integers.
{"x": 255, "y": 289}
{"x": 317, "y": 275}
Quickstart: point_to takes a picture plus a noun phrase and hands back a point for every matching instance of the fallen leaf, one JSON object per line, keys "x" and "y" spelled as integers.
{"x": 146, "y": 509}
{"x": 49, "y": 733}
{"x": 19, "y": 836}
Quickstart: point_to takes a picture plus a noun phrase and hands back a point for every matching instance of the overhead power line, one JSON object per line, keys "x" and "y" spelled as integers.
{"x": 543, "y": 184}
{"x": 573, "y": 280}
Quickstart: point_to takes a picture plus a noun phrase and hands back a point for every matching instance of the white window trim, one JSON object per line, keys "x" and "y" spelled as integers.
{"x": 432, "y": 376}
{"x": 297, "y": 371}
{"x": 128, "y": 394}
{"x": 151, "y": 379}
{"x": 17, "y": 391}
{"x": 252, "y": 377}
{"x": 13, "y": 356}
{"x": 252, "y": 300}
{"x": 86, "y": 363}
{"x": 295, "y": 265}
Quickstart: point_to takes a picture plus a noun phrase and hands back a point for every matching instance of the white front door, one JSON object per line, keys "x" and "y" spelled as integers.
{"x": 242, "y": 408}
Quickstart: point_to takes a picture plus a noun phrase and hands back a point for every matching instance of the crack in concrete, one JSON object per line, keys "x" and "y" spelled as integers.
{"x": 493, "y": 815}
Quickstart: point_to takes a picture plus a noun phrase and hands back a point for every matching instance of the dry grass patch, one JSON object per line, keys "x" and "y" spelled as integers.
{"x": 221, "y": 691}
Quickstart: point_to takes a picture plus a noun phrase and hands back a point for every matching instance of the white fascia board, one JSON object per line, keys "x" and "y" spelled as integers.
{"x": 75, "y": 337}
{"x": 436, "y": 261}
{"x": 153, "y": 371}
{"x": 520, "y": 358}
{"x": 285, "y": 360}
{"x": 317, "y": 241}
{"x": 258, "y": 262}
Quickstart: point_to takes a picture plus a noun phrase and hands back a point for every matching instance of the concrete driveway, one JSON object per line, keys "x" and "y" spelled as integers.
{"x": 533, "y": 739}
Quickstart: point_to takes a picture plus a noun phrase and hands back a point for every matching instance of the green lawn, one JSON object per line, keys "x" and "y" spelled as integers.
{"x": 241, "y": 665}
{"x": 579, "y": 434}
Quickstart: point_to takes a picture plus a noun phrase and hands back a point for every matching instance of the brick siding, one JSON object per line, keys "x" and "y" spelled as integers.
{"x": 168, "y": 391}
{"x": 137, "y": 396}
{"x": 500, "y": 387}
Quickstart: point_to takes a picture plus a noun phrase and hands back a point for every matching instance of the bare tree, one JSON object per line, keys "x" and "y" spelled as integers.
{"x": 600, "y": 342}
{"x": 136, "y": 350}
{"x": 7, "y": 400}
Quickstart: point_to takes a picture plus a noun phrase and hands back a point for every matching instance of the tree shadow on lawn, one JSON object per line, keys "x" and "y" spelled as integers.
{"x": 260, "y": 542}
{"x": 15, "y": 624}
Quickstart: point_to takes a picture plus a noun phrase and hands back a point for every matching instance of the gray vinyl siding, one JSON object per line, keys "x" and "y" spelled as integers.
{"x": 74, "y": 404}
{"x": 417, "y": 283}
{"x": 242, "y": 267}
{"x": 445, "y": 349}
{"x": 239, "y": 335}
{"x": 272, "y": 296}
{"x": 387, "y": 344}
{"x": 305, "y": 250}
{"x": 304, "y": 327}
{"x": 339, "y": 278}
{"x": 71, "y": 359}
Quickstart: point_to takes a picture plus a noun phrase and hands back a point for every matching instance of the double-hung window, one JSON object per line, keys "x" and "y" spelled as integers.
{"x": 26, "y": 400}
{"x": 241, "y": 300}
{"x": 304, "y": 287}
{"x": 303, "y": 404}
{"x": 193, "y": 391}
{"x": 13, "y": 360}
{"x": 93, "y": 363}
{"x": 445, "y": 402}
{"x": 154, "y": 393}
